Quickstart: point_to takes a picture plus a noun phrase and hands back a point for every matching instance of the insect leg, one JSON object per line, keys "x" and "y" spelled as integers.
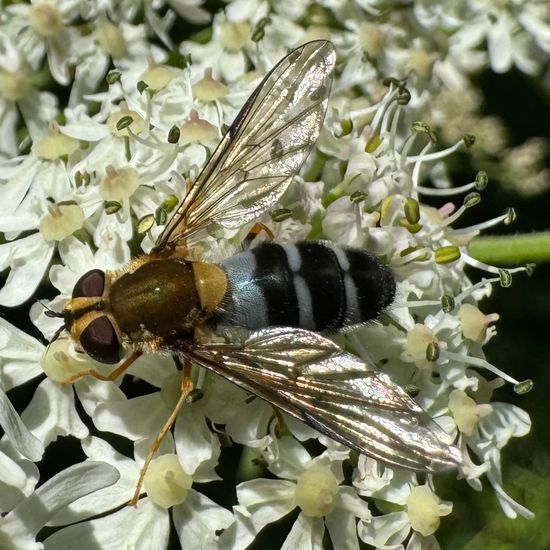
{"x": 186, "y": 388}
{"x": 106, "y": 378}
{"x": 255, "y": 230}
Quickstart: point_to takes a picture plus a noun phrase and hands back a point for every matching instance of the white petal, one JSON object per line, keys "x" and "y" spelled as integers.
{"x": 197, "y": 520}
{"x": 153, "y": 368}
{"x": 306, "y": 534}
{"x": 143, "y": 446}
{"x": 52, "y": 413}
{"x": 266, "y": 500}
{"x": 343, "y": 529}
{"x": 504, "y": 422}
{"x": 349, "y": 501}
{"x": 17, "y": 432}
{"x": 240, "y": 534}
{"x": 65, "y": 487}
{"x": 249, "y": 421}
{"x": 134, "y": 418}
{"x": 105, "y": 499}
{"x": 418, "y": 542}
{"x": 300, "y": 430}
{"x": 385, "y": 532}
{"x": 143, "y": 528}
{"x": 20, "y": 356}
{"x": 19, "y": 222}
{"x": 18, "y": 477}
{"x": 197, "y": 447}
{"x": 287, "y": 458}
{"x": 399, "y": 487}
{"x": 92, "y": 392}
{"x": 28, "y": 258}
{"x": 86, "y": 130}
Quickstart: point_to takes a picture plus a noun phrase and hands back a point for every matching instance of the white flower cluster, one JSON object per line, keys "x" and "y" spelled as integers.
{"x": 90, "y": 174}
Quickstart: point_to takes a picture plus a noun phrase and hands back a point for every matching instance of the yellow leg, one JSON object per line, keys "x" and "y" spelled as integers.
{"x": 186, "y": 387}
{"x": 257, "y": 228}
{"x": 110, "y": 377}
{"x": 280, "y": 427}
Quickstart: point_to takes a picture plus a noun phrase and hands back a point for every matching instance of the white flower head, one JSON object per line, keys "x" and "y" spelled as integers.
{"x": 91, "y": 185}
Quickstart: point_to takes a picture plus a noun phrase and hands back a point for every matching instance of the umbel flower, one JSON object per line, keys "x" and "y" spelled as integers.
{"x": 95, "y": 189}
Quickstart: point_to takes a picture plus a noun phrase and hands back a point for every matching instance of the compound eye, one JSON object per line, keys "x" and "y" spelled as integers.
{"x": 90, "y": 285}
{"x": 100, "y": 341}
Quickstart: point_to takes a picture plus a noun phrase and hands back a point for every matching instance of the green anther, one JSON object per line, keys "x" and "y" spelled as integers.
{"x": 373, "y": 143}
{"x": 511, "y": 216}
{"x": 124, "y": 122}
{"x": 112, "y": 77}
{"x": 482, "y": 179}
{"x": 447, "y": 303}
{"x": 259, "y": 31}
{"x": 505, "y": 278}
{"x": 174, "y": 134}
{"x": 530, "y": 268}
{"x": 413, "y": 249}
{"x": 410, "y": 227}
{"x": 357, "y": 197}
{"x": 160, "y": 216}
{"x": 111, "y": 207}
{"x": 82, "y": 179}
{"x": 280, "y": 214}
{"x": 404, "y": 96}
{"x": 145, "y": 224}
{"x": 412, "y": 389}
{"x": 258, "y": 34}
{"x": 471, "y": 199}
{"x": 469, "y": 140}
{"x": 142, "y": 86}
{"x": 412, "y": 211}
{"x": 432, "y": 352}
{"x": 525, "y": 386}
{"x": 420, "y": 127}
{"x": 346, "y": 126}
{"x": 447, "y": 254}
{"x": 169, "y": 203}
{"x": 408, "y": 250}
{"x": 423, "y": 128}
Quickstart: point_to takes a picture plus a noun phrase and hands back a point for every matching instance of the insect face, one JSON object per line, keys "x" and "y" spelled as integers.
{"x": 87, "y": 320}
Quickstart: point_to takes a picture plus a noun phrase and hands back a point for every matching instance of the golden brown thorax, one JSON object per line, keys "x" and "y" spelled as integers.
{"x": 166, "y": 297}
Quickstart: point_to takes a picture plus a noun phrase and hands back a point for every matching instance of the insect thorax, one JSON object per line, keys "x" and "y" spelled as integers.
{"x": 159, "y": 298}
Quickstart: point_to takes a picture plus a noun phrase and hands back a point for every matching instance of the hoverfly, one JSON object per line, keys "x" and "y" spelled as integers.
{"x": 283, "y": 294}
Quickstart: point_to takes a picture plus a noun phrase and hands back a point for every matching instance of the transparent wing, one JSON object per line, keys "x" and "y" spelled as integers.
{"x": 264, "y": 147}
{"x": 311, "y": 378}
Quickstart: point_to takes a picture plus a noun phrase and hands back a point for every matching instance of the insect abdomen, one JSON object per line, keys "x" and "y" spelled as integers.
{"x": 310, "y": 285}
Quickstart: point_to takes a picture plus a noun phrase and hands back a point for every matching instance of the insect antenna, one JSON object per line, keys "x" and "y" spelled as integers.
{"x": 55, "y": 314}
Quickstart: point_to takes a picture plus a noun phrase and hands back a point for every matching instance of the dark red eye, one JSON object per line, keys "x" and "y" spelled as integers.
{"x": 100, "y": 341}
{"x": 90, "y": 285}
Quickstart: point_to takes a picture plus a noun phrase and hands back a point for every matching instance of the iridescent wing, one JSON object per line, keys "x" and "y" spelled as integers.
{"x": 311, "y": 378}
{"x": 263, "y": 149}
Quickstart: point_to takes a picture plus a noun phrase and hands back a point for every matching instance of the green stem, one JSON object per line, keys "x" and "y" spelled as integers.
{"x": 316, "y": 167}
{"x": 512, "y": 249}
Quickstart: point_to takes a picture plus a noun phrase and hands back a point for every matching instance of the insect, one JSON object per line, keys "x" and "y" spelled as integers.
{"x": 284, "y": 295}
